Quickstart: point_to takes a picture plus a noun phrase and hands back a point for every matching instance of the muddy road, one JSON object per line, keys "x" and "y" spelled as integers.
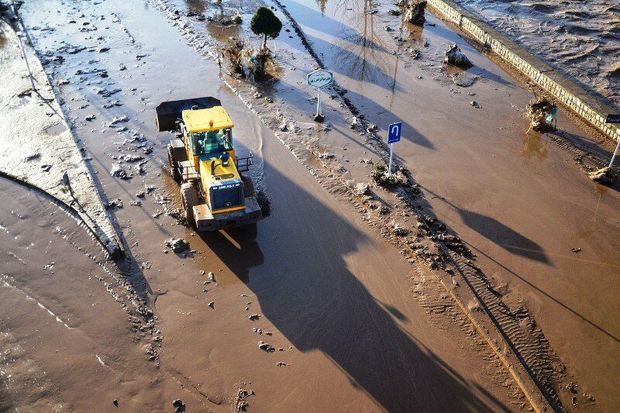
{"x": 330, "y": 296}
{"x": 542, "y": 231}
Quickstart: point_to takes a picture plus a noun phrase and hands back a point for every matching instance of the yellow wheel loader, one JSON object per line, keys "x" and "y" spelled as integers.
{"x": 215, "y": 193}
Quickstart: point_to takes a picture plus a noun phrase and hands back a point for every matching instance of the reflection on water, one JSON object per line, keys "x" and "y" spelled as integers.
{"x": 534, "y": 146}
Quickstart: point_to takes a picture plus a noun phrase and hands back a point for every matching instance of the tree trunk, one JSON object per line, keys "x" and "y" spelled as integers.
{"x": 265, "y": 42}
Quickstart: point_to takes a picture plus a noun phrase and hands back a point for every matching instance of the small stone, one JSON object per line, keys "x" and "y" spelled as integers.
{"x": 179, "y": 406}
{"x": 266, "y": 347}
{"x": 211, "y": 304}
{"x": 354, "y": 122}
{"x": 115, "y": 402}
{"x": 576, "y": 250}
{"x": 474, "y": 104}
{"x": 211, "y": 277}
{"x": 90, "y": 117}
{"x": 176, "y": 245}
{"x": 362, "y": 189}
{"x": 254, "y": 317}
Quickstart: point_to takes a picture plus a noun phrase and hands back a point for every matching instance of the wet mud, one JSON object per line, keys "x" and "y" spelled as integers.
{"x": 327, "y": 294}
{"x": 460, "y": 151}
{"x": 71, "y": 332}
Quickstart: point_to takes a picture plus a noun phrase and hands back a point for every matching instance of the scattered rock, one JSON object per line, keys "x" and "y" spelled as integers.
{"x": 464, "y": 79}
{"x": 107, "y": 93}
{"x": 211, "y": 277}
{"x": 394, "y": 12}
{"x": 121, "y": 119}
{"x": 130, "y": 158}
{"x": 179, "y": 406}
{"x": 118, "y": 172}
{"x": 254, "y": 317}
{"x": 354, "y": 122}
{"x": 90, "y": 117}
{"x": 266, "y": 347}
{"x": 576, "y": 250}
{"x": 177, "y": 245}
{"x": 362, "y": 189}
{"x": 280, "y": 364}
{"x": 474, "y": 104}
{"x": 211, "y": 304}
{"x": 388, "y": 29}
{"x": 115, "y": 203}
{"x": 454, "y": 56}
{"x": 399, "y": 231}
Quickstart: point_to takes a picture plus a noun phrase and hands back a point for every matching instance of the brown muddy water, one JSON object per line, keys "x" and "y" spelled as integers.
{"x": 331, "y": 296}
{"x": 542, "y": 231}
{"x": 66, "y": 343}
{"x": 582, "y": 38}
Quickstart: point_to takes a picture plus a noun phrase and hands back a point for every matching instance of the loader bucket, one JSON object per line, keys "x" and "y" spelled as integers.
{"x": 169, "y": 112}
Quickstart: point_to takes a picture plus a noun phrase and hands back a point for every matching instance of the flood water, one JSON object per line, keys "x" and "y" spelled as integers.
{"x": 579, "y": 37}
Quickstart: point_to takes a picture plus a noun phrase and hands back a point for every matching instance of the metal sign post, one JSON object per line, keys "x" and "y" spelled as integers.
{"x": 613, "y": 157}
{"x": 318, "y": 79}
{"x": 614, "y": 118}
{"x": 318, "y": 103}
{"x": 394, "y": 131}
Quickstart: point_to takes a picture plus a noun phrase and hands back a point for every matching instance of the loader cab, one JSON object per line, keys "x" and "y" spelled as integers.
{"x": 207, "y": 132}
{"x": 211, "y": 142}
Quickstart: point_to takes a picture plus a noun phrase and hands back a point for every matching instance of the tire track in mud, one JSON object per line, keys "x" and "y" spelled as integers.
{"x": 530, "y": 347}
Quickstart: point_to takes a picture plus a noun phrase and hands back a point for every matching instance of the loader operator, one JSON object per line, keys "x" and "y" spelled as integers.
{"x": 216, "y": 141}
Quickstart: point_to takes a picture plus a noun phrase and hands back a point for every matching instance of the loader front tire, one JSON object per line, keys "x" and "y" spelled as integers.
{"x": 189, "y": 196}
{"x": 174, "y": 165}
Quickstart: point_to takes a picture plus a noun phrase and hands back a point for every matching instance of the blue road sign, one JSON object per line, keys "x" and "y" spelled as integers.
{"x": 394, "y": 131}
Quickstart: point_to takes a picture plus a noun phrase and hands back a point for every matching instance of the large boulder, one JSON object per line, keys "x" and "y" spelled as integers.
{"x": 455, "y": 57}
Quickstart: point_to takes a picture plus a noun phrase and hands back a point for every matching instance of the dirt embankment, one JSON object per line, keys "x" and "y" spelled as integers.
{"x": 39, "y": 148}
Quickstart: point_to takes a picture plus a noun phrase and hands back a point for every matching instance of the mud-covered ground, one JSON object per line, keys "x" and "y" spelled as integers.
{"x": 519, "y": 199}
{"x": 326, "y": 291}
{"x": 579, "y": 37}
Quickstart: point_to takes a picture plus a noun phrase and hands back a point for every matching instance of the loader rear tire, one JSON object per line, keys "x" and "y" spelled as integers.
{"x": 190, "y": 198}
{"x": 174, "y": 165}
